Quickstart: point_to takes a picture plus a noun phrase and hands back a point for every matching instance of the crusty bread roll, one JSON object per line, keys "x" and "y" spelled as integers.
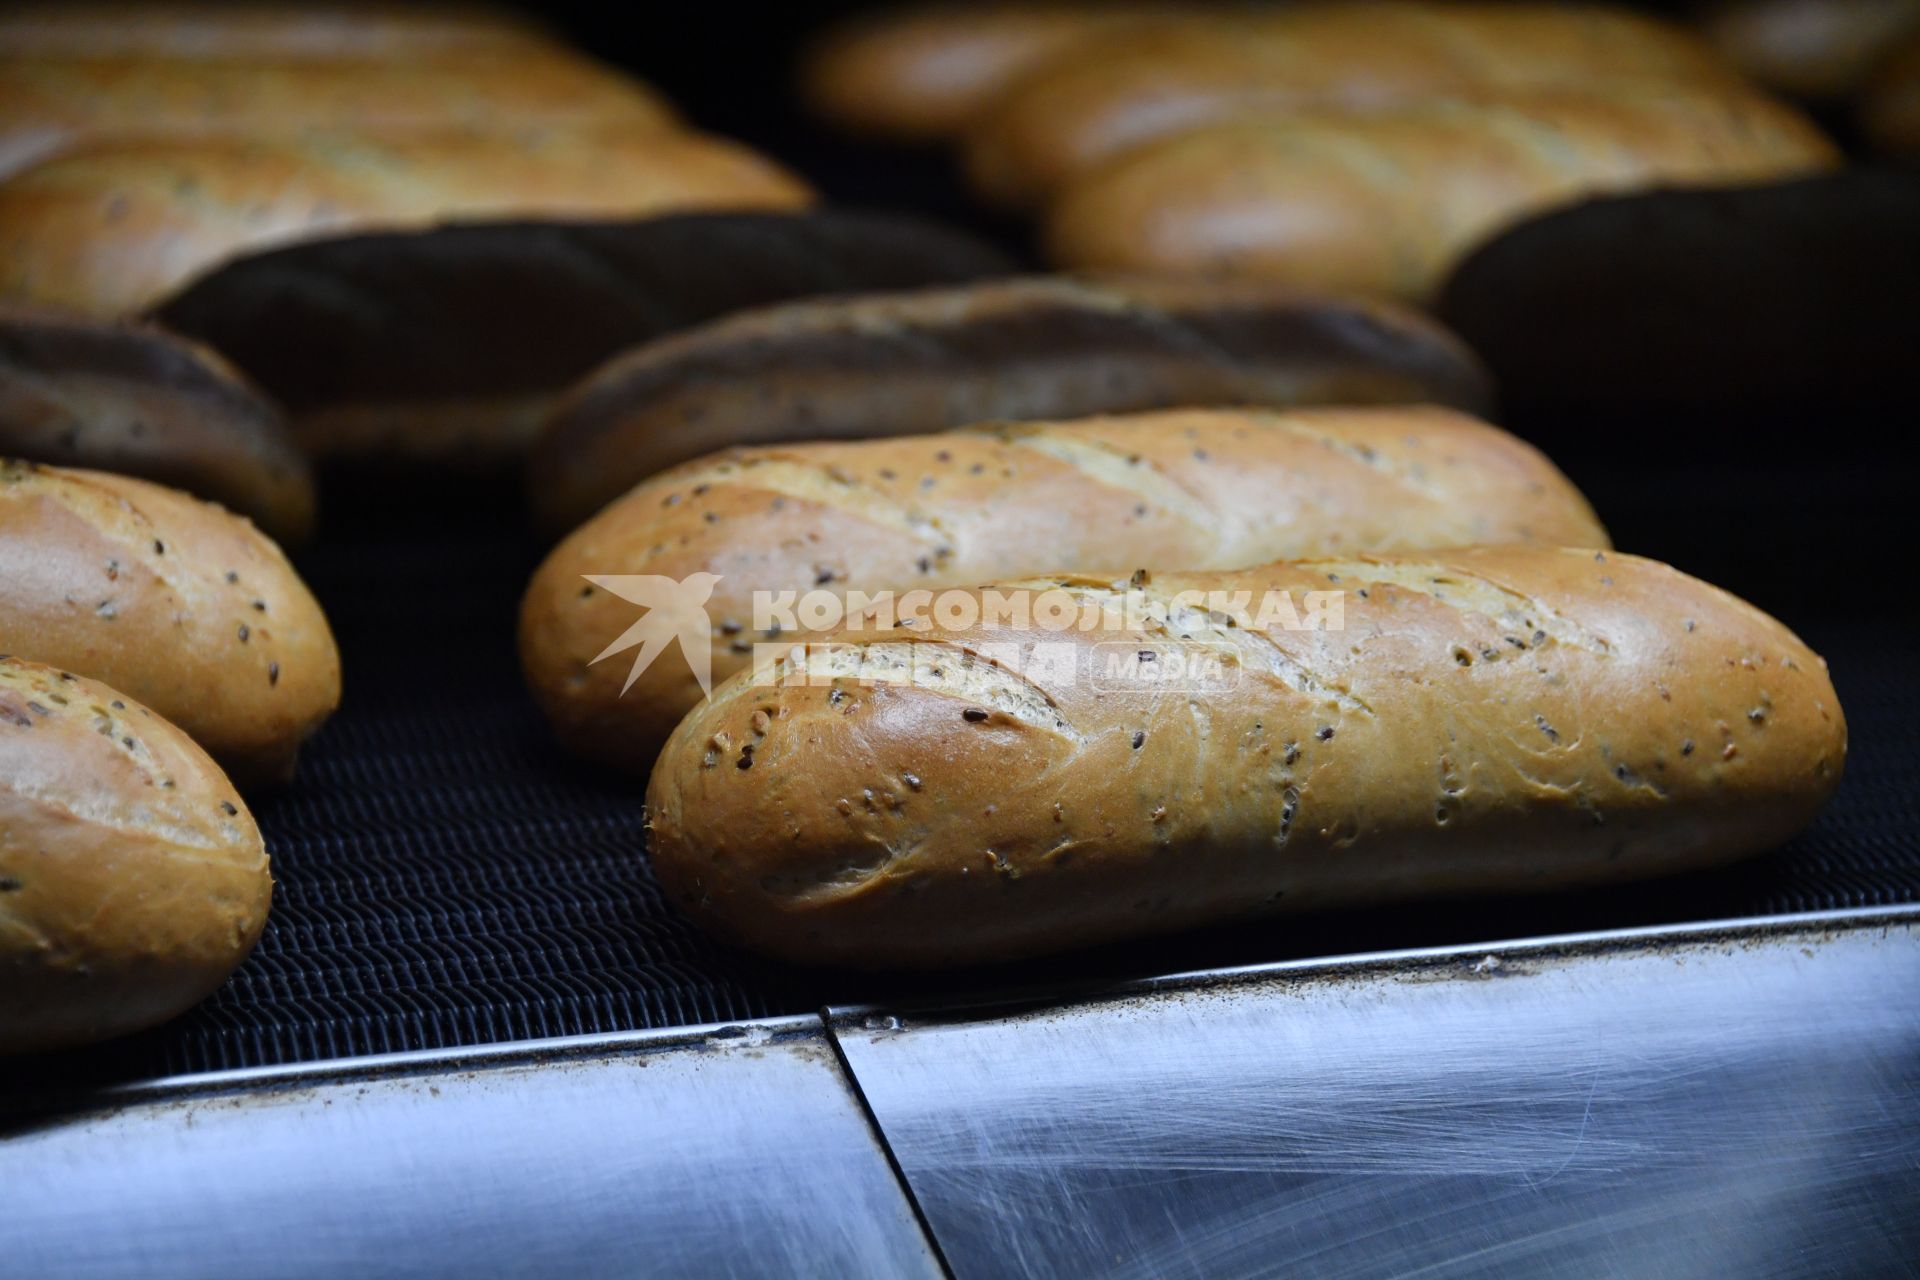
{"x": 1386, "y": 202}
{"x": 923, "y": 73}
{"x": 138, "y": 400}
{"x": 222, "y": 29}
{"x": 1485, "y": 720}
{"x": 1101, "y": 97}
{"x": 1890, "y": 107}
{"x": 1206, "y": 488}
{"x": 1043, "y": 347}
{"x": 112, "y": 229}
{"x": 395, "y": 345}
{"x": 172, "y": 601}
{"x": 1810, "y": 48}
{"x": 51, "y": 105}
{"x": 132, "y": 877}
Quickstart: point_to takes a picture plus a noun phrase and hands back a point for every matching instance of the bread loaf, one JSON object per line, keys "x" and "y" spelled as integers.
{"x": 1206, "y": 488}
{"x": 1101, "y": 97}
{"x": 135, "y": 399}
{"x": 1386, "y": 202}
{"x": 1810, "y": 48}
{"x": 113, "y": 229}
{"x": 398, "y": 345}
{"x": 51, "y": 105}
{"x": 1484, "y": 720}
{"x": 923, "y": 73}
{"x": 1890, "y": 107}
{"x": 170, "y": 600}
{"x": 1783, "y": 304}
{"x": 132, "y": 877}
{"x": 907, "y": 363}
{"x": 97, "y": 28}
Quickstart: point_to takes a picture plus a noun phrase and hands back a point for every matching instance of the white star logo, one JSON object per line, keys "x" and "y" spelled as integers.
{"x": 676, "y": 609}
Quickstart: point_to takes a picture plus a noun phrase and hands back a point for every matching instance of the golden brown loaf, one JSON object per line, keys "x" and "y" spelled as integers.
{"x": 1104, "y": 96}
{"x": 928, "y": 360}
{"x": 1204, "y": 488}
{"x": 1890, "y": 109}
{"x": 132, "y": 877}
{"x": 223, "y": 29}
{"x": 923, "y": 73}
{"x": 113, "y": 229}
{"x": 1810, "y": 48}
{"x": 52, "y": 105}
{"x": 135, "y": 399}
{"x": 1487, "y": 720}
{"x": 172, "y": 601}
{"x": 1387, "y": 202}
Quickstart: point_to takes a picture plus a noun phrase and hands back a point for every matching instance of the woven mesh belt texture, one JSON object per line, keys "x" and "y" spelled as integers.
{"x": 446, "y": 877}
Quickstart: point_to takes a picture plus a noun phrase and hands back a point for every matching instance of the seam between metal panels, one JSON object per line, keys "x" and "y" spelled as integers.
{"x": 886, "y": 1147}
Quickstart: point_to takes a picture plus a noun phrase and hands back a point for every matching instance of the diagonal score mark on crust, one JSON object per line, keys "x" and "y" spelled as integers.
{"x": 1131, "y": 473}
{"x": 935, "y": 665}
{"x": 1469, "y": 592}
{"x": 1409, "y": 477}
{"x": 823, "y": 483}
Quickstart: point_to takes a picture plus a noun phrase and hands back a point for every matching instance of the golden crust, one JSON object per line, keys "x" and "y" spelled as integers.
{"x": 132, "y": 878}
{"x": 113, "y": 229}
{"x": 1488, "y": 720}
{"x": 174, "y": 602}
{"x": 96, "y": 28}
{"x": 1202, "y": 488}
{"x": 1102, "y": 96}
{"x": 1386, "y": 202}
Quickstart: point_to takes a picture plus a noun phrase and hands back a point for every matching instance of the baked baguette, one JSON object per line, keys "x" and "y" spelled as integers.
{"x": 51, "y": 105}
{"x": 923, "y": 73}
{"x": 172, "y": 601}
{"x": 1206, "y": 488}
{"x": 1890, "y": 107}
{"x": 1101, "y": 97}
{"x": 113, "y": 229}
{"x": 1784, "y": 304}
{"x": 132, "y": 877}
{"x": 1810, "y": 48}
{"x": 95, "y": 28}
{"x": 1488, "y": 720}
{"x": 135, "y": 399}
{"x": 397, "y": 344}
{"x": 1044, "y": 347}
{"x": 1386, "y": 202}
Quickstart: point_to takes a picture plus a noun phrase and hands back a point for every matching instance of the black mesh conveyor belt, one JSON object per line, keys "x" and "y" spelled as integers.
{"x": 447, "y": 878}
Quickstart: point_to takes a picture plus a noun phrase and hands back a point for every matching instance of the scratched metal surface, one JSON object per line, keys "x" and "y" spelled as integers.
{"x": 1720, "y": 1104}
{"x": 736, "y": 1153}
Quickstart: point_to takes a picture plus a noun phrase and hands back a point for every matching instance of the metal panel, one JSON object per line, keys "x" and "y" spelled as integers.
{"x": 1736, "y": 1101}
{"x": 734, "y": 1152}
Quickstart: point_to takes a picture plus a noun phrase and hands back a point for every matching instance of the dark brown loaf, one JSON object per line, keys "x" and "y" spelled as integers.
{"x": 923, "y": 73}
{"x": 1810, "y": 48}
{"x": 112, "y": 230}
{"x": 1387, "y": 202}
{"x": 1045, "y": 347}
{"x": 53, "y": 105}
{"x": 1890, "y": 106}
{"x": 135, "y": 399}
{"x": 1488, "y": 720}
{"x": 1205, "y": 488}
{"x": 364, "y": 337}
{"x": 132, "y": 877}
{"x": 1096, "y": 100}
{"x": 172, "y": 601}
